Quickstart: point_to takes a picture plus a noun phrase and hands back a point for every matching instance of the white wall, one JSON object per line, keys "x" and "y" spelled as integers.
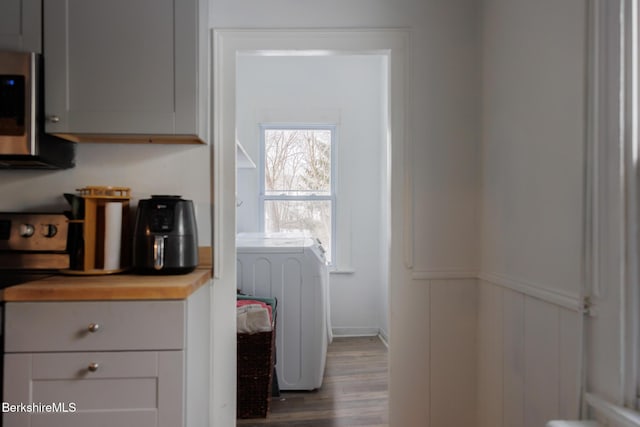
{"x": 532, "y": 215}
{"x": 345, "y": 90}
{"x": 146, "y": 169}
{"x": 534, "y": 130}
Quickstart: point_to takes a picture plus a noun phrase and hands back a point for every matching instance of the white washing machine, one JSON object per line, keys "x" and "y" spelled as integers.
{"x": 292, "y": 268}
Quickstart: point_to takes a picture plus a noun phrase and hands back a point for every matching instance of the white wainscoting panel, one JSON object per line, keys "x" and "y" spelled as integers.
{"x": 513, "y": 351}
{"x": 570, "y": 364}
{"x": 410, "y": 333}
{"x": 490, "y": 356}
{"x": 541, "y": 366}
{"x": 453, "y": 309}
{"x": 528, "y": 363}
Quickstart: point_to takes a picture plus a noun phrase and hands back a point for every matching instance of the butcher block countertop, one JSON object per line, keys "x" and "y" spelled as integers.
{"x": 109, "y": 287}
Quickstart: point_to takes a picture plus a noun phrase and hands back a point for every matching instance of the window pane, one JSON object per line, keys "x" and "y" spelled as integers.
{"x": 297, "y": 162}
{"x": 296, "y": 216}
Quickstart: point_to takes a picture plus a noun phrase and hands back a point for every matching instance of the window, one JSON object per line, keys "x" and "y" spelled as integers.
{"x": 297, "y": 191}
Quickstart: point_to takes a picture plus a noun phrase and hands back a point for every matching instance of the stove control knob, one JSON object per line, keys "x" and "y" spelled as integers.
{"x": 49, "y": 230}
{"x": 26, "y": 230}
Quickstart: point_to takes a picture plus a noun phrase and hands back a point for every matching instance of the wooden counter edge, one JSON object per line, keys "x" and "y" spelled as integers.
{"x": 106, "y": 292}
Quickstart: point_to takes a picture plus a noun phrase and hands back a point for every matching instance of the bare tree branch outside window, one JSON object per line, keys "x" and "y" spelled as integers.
{"x": 297, "y": 182}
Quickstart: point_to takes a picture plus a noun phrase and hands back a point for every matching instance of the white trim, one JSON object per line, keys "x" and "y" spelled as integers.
{"x": 341, "y": 270}
{"x": 596, "y": 122}
{"x": 228, "y": 44}
{"x": 443, "y": 275}
{"x": 603, "y": 220}
{"x": 407, "y": 150}
{"x": 562, "y": 299}
{"x": 362, "y": 332}
{"x": 631, "y": 291}
{"x": 610, "y": 196}
{"x": 306, "y": 115}
{"x": 572, "y": 423}
{"x": 615, "y": 415}
{"x": 384, "y": 337}
{"x": 393, "y": 42}
{"x": 344, "y": 332}
{"x": 627, "y": 202}
{"x": 331, "y": 197}
{"x": 219, "y": 219}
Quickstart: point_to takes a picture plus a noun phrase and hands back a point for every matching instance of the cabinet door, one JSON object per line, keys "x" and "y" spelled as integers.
{"x": 121, "y": 66}
{"x": 127, "y": 389}
{"x": 21, "y": 25}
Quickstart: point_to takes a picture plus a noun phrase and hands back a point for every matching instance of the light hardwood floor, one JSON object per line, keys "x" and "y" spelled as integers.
{"x": 354, "y": 391}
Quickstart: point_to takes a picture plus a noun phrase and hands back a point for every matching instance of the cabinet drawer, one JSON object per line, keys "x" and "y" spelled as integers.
{"x": 121, "y": 325}
{"x": 122, "y": 388}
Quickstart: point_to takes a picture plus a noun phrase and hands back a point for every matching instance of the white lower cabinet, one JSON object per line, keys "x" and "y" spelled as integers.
{"x": 121, "y": 386}
{"x": 141, "y": 389}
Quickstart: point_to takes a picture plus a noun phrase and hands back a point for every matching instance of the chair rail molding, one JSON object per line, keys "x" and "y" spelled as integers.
{"x": 566, "y": 300}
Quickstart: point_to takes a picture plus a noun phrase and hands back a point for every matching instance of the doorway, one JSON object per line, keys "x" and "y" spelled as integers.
{"x": 291, "y": 103}
{"x": 228, "y": 45}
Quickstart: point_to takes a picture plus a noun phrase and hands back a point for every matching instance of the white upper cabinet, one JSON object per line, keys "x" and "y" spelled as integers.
{"x": 21, "y": 25}
{"x": 126, "y": 70}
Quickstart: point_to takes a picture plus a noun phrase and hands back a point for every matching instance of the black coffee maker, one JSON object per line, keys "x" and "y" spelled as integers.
{"x": 165, "y": 237}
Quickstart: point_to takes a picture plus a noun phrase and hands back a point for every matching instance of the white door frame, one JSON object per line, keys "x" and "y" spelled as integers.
{"x": 227, "y": 44}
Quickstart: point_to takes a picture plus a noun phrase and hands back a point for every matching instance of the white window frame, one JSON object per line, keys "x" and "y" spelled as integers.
{"x": 612, "y": 242}
{"x": 632, "y": 184}
{"x": 613, "y": 202}
{"x": 312, "y": 197}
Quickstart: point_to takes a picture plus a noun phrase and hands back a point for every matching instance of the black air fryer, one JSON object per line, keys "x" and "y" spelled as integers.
{"x": 165, "y": 237}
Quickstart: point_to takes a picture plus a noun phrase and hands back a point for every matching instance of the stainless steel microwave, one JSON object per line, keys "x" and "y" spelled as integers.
{"x": 23, "y": 142}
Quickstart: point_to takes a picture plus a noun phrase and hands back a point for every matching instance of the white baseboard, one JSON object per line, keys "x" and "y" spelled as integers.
{"x": 362, "y": 332}
{"x": 355, "y": 332}
{"x": 384, "y": 337}
{"x": 443, "y": 275}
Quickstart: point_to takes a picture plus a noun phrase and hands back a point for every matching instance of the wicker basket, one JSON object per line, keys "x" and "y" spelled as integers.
{"x": 255, "y": 374}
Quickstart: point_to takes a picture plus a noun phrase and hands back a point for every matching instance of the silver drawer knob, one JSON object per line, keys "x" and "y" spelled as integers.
{"x": 93, "y": 327}
{"x": 53, "y": 119}
{"x": 93, "y": 367}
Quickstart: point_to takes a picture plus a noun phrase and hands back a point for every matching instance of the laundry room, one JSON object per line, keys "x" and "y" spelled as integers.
{"x": 312, "y": 159}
